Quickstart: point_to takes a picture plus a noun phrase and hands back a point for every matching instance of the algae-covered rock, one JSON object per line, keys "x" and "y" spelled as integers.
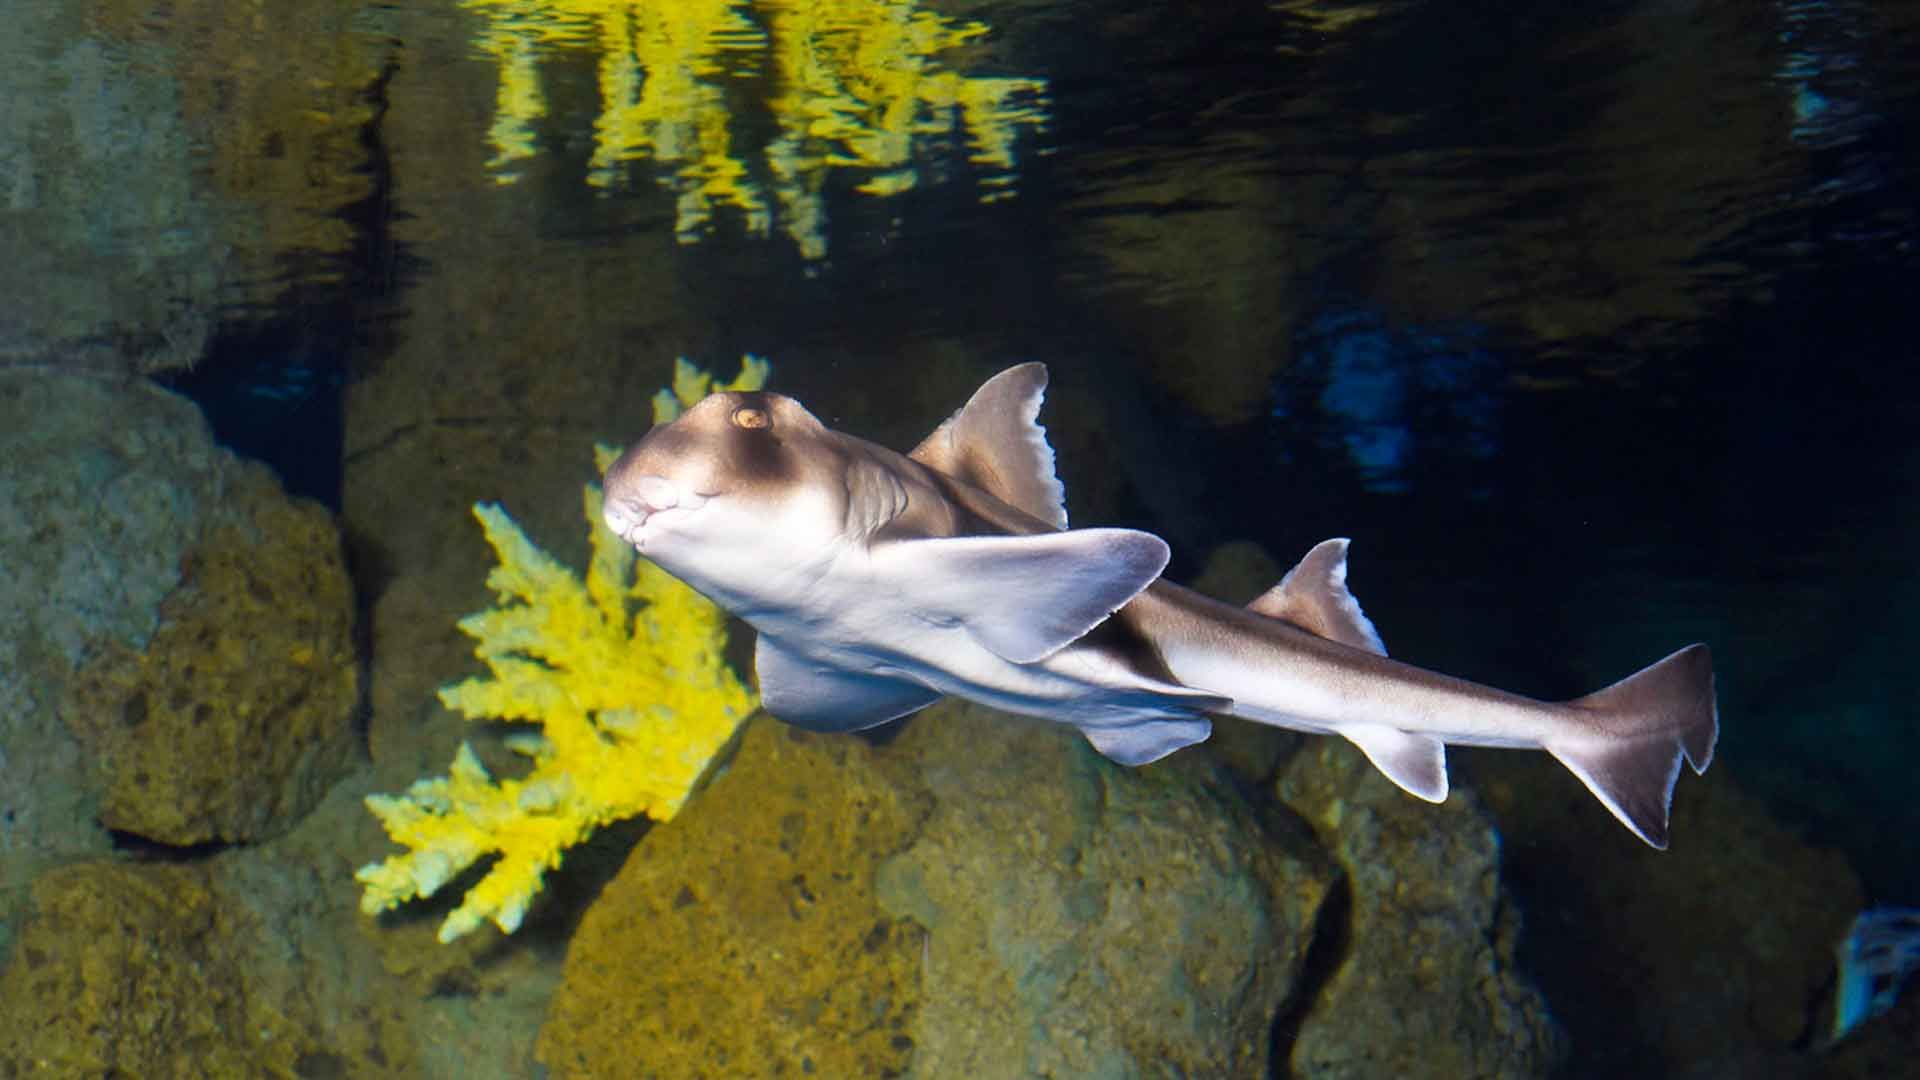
{"x": 190, "y": 623}
{"x": 252, "y": 962}
{"x": 122, "y": 971}
{"x": 104, "y": 486}
{"x": 169, "y": 970}
{"x": 237, "y": 715}
{"x": 1088, "y": 920}
{"x": 1426, "y": 983}
{"x": 1052, "y": 914}
{"x": 1710, "y": 958}
{"x": 743, "y": 937}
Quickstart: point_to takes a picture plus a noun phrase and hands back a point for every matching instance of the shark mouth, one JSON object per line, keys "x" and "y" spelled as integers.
{"x": 644, "y": 500}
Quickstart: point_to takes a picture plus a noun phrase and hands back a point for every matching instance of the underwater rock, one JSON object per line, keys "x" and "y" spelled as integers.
{"x": 217, "y": 710}
{"x": 1709, "y": 959}
{"x": 743, "y": 938}
{"x": 237, "y": 715}
{"x": 1090, "y": 920}
{"x": 100, "y": 499}
{"x": 1045, "y": 913}
{"x": 1424, "y": 938}
{"x": 254, "y": 962}
{"x": 178, "y": 970}
{"x": 121, "y": 970}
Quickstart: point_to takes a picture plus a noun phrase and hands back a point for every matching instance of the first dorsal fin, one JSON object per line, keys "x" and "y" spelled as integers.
{"x": 1314, "y": 597}
{"x": 995, "y": 442}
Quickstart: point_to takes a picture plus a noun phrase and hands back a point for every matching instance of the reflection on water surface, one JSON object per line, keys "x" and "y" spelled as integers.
{"x": 728, "y": 101}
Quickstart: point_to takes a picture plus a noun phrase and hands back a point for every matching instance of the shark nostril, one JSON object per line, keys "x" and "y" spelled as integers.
{"x": 624, "y": 516}
{"x": 633, "y": 501}
{"x": 654, "y": 492}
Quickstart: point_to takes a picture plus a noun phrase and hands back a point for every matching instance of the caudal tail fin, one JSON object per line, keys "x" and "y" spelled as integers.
{"x": 1628, "y": 745}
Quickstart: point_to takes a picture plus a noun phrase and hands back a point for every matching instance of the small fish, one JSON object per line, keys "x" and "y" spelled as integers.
{"x": 881, "y": 581}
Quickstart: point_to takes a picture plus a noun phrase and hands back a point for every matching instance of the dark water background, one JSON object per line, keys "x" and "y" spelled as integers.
{"x": 1592, "y": 324}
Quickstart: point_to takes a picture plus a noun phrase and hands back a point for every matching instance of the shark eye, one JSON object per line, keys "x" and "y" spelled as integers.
{"x": 746, "y": 416}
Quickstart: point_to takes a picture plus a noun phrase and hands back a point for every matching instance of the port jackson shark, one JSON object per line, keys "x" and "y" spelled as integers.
{"x": 880, "y": 581}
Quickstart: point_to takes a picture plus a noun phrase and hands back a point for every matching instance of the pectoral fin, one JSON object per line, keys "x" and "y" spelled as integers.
{"x": 1025, "y": 597}
{"x": 1417, "y": 763}
{"x": 822, "y": 698}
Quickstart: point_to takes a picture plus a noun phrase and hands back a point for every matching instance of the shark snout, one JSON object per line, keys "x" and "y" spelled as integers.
{"x": 637, "y": 499}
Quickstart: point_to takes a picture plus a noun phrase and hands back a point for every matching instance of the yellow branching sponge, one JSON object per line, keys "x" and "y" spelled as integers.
{"x": 624, "y": 674}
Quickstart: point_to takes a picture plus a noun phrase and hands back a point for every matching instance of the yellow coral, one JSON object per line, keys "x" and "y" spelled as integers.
{"x": 691, "y": 383}
{"x": 624, "y": 674}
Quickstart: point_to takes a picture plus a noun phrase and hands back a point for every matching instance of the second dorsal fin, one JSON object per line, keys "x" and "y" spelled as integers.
{"x": 1314, "y": 597}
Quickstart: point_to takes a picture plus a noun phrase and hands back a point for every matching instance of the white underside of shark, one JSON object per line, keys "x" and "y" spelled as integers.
{"x": 879, "y": 582}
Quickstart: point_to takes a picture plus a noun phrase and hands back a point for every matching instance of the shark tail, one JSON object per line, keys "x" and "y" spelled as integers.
{"x": 1628, "y": 745}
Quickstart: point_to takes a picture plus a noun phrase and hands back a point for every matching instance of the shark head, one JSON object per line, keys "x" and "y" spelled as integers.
{"x": 734, "y": 458}
{"x": 742, "y": 489}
